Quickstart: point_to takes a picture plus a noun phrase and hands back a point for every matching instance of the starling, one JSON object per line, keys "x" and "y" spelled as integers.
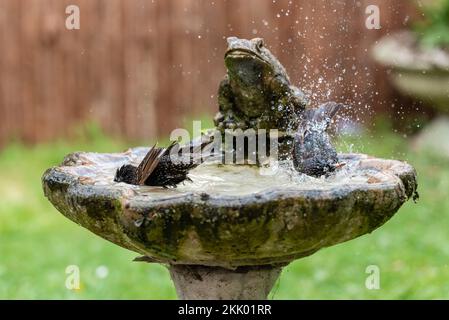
{"x": 313, "y": 152}
{"x": 158, "y": 168}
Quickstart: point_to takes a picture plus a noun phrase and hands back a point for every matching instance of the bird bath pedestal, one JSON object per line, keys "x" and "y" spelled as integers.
{"x": 220, "y": 237}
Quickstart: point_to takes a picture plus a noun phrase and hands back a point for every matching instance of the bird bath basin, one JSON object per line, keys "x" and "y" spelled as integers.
{"x": 228, "y": 233}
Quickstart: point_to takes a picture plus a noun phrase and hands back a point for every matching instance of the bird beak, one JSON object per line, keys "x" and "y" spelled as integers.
{"x": 339, "y": 165}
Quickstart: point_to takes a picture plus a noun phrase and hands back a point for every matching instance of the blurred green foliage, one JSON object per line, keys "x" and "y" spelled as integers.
{"x": 37, "y": 243}
{"x": 433, "y": 31}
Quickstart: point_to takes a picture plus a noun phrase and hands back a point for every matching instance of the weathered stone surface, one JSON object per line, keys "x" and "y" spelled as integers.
{"x": 416, "y": 70}
{"x": 215, "y": 283}
{"x": 402, "y": 50}
{"x": 273, "y": 226}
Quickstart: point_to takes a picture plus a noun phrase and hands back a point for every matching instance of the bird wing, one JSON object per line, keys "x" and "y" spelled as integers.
{"x": 202, "y": 152}
{"x": 314, "y": 118}
{"x": 197, "y": 150}
{"x": 154, "y": 156}
{"x": 150, "y": 162}
{"x": 325, "y": 112}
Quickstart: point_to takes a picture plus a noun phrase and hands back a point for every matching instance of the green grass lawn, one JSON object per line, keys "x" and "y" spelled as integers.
{"x": 37, "y": 243}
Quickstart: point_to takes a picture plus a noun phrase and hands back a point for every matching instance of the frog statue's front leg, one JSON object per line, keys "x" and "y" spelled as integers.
{"x": 227, "y": 118}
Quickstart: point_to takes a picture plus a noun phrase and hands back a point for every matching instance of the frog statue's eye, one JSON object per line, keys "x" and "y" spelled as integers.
{"x": 259, "y": 44}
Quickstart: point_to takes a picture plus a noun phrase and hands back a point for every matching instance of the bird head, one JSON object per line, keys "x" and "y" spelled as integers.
{"x": 126, "y": 173}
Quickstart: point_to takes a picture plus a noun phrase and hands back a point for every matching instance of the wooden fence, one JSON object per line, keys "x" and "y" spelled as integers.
{"x": 140, "y": 67}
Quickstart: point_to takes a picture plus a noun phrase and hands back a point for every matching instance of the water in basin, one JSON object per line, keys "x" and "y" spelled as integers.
{"x": 230, "y": 180}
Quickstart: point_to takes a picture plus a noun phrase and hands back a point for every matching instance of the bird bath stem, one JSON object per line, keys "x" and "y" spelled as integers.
{"x": 206, "y": 283}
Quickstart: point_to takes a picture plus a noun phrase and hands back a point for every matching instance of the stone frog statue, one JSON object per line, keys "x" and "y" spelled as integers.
{"x": 256, "y": 91}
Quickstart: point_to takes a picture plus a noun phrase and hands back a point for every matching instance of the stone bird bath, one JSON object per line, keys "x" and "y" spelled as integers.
{"x": 227, "y": 234}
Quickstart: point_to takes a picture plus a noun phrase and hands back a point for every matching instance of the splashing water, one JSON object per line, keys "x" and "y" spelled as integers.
{"x": 226, "y": 180}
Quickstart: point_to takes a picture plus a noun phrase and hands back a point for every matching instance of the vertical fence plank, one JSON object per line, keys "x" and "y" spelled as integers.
{"x": 140, "y": 67}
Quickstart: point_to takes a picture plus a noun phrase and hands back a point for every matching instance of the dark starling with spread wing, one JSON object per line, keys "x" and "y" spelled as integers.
{"x": 313, "y": 152}
{"x": 164, "y": 167}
